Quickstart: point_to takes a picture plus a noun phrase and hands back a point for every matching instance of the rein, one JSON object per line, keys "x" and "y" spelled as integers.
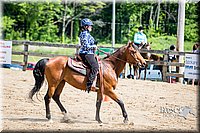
{"x": 115, "y": 56}
{"x": 111, "y": 55}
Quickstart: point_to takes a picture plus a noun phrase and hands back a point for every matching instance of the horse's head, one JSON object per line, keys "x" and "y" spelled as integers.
{"x": 133, "y": 55}
{"x": 146, "y": 46}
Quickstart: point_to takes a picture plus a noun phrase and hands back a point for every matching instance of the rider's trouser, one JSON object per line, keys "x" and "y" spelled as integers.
{"x": 91, "y": 62}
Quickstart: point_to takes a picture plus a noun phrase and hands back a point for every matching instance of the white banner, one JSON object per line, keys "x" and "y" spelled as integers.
{"x": 5, "y": 52}
{"x": 192, "y": 66}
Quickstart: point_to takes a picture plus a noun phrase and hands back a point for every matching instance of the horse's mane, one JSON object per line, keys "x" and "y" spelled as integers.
{"x": 121, "y": 50}
{"x": 117, "y": 52}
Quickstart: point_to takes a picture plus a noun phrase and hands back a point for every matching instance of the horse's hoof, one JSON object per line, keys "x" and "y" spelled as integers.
{"x": 100, "y": 122}
{"x": 125, "y": 120}
{"x": 65, "y": 116}
{"x": 48, "y": 117}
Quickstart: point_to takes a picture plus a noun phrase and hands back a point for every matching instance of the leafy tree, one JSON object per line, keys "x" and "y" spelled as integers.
{"x": 191, "y": 23}
{"x": 34, "y": 21}
{"x": 73, "y": 11}
{"x": 59, "y": 21}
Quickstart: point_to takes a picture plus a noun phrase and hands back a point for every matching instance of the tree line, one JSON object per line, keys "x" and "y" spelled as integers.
{"x": 60, "y": 21}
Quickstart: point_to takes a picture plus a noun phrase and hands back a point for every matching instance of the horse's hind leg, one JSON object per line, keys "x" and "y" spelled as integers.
{"x": 98, "y": 106}
{"x": 51, "y": 89}
{"x": 47, "y": 100}
{"x": 56, "y": 97}
{"x": 112, "y": 95}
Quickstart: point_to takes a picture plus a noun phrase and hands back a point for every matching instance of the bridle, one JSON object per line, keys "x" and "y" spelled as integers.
{"x": 133, "y": 55}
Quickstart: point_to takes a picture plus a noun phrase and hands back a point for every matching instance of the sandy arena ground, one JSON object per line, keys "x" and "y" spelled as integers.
{"x": 154, "y": 106}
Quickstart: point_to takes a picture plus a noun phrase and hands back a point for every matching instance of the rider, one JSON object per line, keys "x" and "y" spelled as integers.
{"x": 139, "y": 40}
{"x": 139, "y": 37}
{"x": 87, "y": 51}
{"x": 172, "y": 57}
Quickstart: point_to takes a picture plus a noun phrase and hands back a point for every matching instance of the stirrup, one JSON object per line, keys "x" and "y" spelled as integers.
{"x": 90, "y": 87}
{"x": 93, "y": 88}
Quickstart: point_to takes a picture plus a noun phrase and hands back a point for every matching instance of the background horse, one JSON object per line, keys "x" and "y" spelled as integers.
{"x": 57, "y": 72}
{"x": 148, "y": 57}
{"x": 145, "y": 56}
{"x": 155, "y": 57}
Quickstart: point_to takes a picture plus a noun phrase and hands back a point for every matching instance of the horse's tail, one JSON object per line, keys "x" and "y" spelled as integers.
{"x": 39, "y": 76}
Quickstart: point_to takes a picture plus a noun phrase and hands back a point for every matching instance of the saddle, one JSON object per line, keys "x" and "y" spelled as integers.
{"x": 77, "y": 65}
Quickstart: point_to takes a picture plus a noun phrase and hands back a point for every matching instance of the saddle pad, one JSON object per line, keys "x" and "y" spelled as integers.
{"x": 77, "y": 66}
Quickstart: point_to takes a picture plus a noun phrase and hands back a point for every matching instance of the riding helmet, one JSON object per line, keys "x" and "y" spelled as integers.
{"x": 86, "y": 22}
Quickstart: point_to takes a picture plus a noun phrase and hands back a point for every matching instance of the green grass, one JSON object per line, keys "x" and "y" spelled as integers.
{"x": 164, "y": 42}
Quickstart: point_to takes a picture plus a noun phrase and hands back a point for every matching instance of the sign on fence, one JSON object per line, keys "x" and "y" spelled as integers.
{"x": 5, "y": 52}
{"x": 192, "y": 66}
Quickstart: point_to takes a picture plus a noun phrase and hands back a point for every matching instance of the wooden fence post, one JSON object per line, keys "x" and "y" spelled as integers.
{"x": 25, "y": 62}
{"x": 164, "y": 65}
{"x": 77, "y": 49}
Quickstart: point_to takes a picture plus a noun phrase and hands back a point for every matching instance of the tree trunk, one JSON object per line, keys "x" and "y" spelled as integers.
{"x": 64, "y": 22}
{"x": 72, "y": 23}
{"x": 140, "y": 17}
{"x": 158, "y": 13}
{"x": 168, "y": 10}
{"x": 151, "y": 12}
{"x": 154, "y": 18}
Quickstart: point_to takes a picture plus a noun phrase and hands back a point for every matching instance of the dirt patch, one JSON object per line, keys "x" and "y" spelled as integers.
{"x": 150, "y": 105}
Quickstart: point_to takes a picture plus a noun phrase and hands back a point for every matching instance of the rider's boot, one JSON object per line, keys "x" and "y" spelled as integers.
{"x": 88, "y": 86}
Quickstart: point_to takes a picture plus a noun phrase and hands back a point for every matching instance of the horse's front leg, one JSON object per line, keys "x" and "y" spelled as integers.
{"x": 139, "y": 74}
{"x": 125, "y": 115}
{"x": 135, "y": 72}
{"x": 112, "y": 95}
{"x": 130, "y": 69}
{"x": 145, "y": 72}
{"x": 98, "y": 106}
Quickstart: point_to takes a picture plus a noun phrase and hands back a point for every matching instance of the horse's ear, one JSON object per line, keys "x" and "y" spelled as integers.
{"x": 130, "y": 43}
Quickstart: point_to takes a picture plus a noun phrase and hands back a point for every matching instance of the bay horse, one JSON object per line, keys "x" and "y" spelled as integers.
{"x": 146, "y": 56}
{"x": 153, "y": 57}
{"x": 57, "y": 73}
{"x": 156, "y": 57}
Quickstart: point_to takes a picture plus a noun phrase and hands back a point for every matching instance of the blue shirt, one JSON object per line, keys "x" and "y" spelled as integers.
{"x": 87, "y": 43}
{"x": 140, "y": 37}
